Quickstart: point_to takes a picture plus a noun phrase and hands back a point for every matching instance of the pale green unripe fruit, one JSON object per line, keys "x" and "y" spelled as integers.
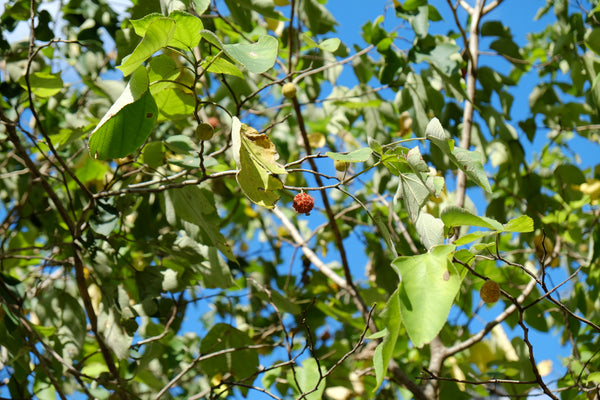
{"x": 341, "y": 166}
{"x": 205, "y": 131}
{"x": 289, "y": 90}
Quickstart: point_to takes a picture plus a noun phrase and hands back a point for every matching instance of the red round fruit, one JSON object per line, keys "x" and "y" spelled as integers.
{"x": 303, "y": 203}
{"x": 213, "y": 121}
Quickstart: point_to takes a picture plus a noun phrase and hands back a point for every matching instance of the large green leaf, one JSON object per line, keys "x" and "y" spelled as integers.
{"x": 257, "y": 57}
{"x": 129, "y": 121}
{"x": 159, "y": 33}
{"x": 429, "y": 284}
{"x": 241, "y": 363}
{"x": 383, "y": 352}
{"x": 256, "y": 160}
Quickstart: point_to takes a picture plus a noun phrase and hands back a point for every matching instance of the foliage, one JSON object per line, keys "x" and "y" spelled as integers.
{"x": 150, "y": 250}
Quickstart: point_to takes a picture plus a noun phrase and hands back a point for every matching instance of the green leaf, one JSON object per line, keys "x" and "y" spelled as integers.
{"x": 438, "y": 136}
{"x": 187, "y": 30}
{"x": 429, "y": 284}
{"x": 414, "y": 194}
{"x": 384, "y": 351}
{"x": 471, "y": 237}
{"x": 192, "y": 204}
{"x": 43, "y": 84}
{"x": 159, "y": 33}
{"x": 129, "y": 121}
{"x": 360, "y": 155}
{"x": 256, "y": 57}
{"x": 330, "y": 45}
{"x": 200, "y": 6}
{"x": 173, "y": 103}
{"x": 255, "y": 157}
{"x": 308, "y": 378}
{"x": 456, "y": 216}
{"x": 241, "y": 363}
{"x": 519, "y": 224}
{"x": 430, "y": 230}
{"x": 415, "y": 160}
{"x": 218, "y": 65}
{"x": 470, "y": 163}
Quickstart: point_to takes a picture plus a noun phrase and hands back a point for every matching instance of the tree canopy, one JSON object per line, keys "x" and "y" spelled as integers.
{"x": 227, "y": 199}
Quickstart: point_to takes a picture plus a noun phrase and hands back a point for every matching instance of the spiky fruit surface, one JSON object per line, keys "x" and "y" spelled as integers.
{"x": 303, "y": 203}
{"x": 289, "y": 90}
{"x": 490, "y": 292}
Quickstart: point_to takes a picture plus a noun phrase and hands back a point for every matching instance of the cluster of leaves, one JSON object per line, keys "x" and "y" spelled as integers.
{"x": 149, "y": 248}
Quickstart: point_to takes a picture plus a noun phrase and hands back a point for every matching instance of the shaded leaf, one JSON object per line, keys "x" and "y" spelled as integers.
{"x": 383, "y": 352}
{"x": 241, "y": 363}
{"x": 191, "y": 204}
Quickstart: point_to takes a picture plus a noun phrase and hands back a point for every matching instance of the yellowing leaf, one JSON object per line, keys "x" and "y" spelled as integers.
{"x": 256, "y": 159}
{"x": 545, "y": 367}
{"x": 481, "y": 355}
{"x": 591, "y": 188}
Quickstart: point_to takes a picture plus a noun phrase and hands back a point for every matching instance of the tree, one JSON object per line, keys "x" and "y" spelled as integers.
{"x": 149, "y": 164}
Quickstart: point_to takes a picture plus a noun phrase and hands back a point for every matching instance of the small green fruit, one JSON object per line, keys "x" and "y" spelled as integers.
{"x": 341, "y": 166}
{"x": 205, "y": 131}
{"x": 289, "y": 90}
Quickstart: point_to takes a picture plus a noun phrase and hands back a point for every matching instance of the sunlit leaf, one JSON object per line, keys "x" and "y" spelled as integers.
{"x": 187, "y": 30}
{"x": 127, "y": 123}
{"x": 430, "y": 230}
{"x": 519, "y": 224}
{"x": 256, "y": 57}
{"x": 429, "y": 284}
{"x": 159, "y": 33}
{"x": 309, "y": 377}
{"x": 360, "y": 155}
{"x": 470, "y": 163}
{"x": 456, "y": 216}
{"x": 43, "y": 84}
{"x": 256, "y": 159}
